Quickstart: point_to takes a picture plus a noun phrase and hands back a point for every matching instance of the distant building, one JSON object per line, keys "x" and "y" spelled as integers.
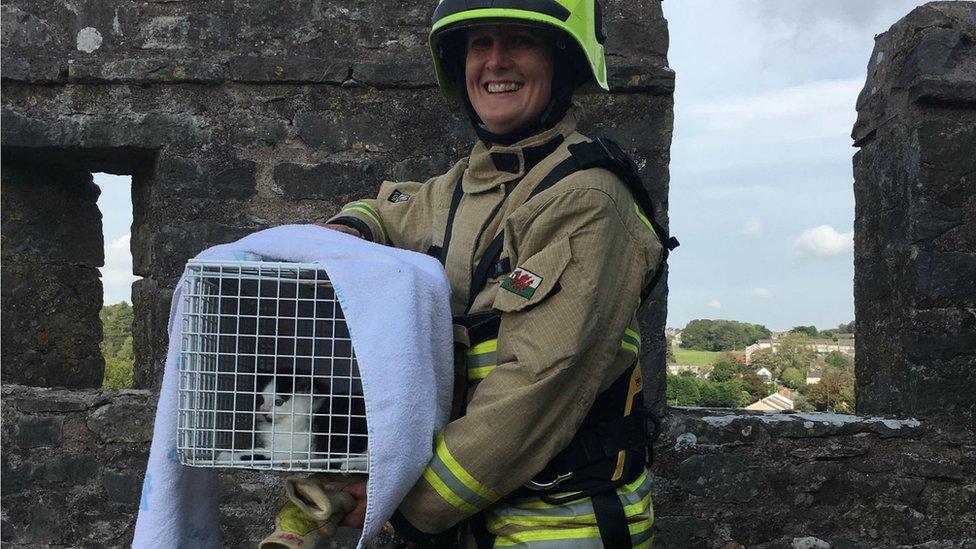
{"x": 699, "y": 371}
{"x": 765, "y": 374}
{"x": 814, "y": 375}
{"x": 774, "y": 402}
{"x": 843, "y": 345}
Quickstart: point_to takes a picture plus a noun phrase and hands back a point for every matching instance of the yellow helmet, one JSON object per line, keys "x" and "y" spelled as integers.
{"x": 579, "y": 20}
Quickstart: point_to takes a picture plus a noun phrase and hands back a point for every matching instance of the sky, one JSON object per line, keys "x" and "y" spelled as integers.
{"x": 115, "y": 203}
{"x": 761, "y": 179}
{"x": 761, "y": 193}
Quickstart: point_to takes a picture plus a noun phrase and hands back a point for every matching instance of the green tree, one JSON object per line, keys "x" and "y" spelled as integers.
{"x": 766, "y": 358}
{"x": 793, "y": 378}
{"x": 116, "y": 346}
{"x": 795, "y": 351}
{"x": 835, "y": 392}
{"x": 683, "y": 391}
{"x": 669, "y": 353}
{"x": 721, "y": 335}
{"x": 810, "y": 331}
{"x": 838, "y": 360}
{"x": 116, "y": 326}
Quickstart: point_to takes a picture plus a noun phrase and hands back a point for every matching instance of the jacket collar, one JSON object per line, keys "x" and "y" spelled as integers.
{"x": 489, "y": 167}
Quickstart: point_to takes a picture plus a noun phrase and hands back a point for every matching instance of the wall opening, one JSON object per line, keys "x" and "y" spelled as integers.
{"x": 116, "y": 315}
{"x": 53, "y": 252}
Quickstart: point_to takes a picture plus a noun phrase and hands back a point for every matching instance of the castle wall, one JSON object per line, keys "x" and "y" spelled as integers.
{"x": 234, "y": 116}
{"x": 915, "y": 218}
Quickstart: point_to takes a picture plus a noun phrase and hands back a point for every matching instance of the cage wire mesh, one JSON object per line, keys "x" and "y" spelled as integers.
{"x": 268, "y": 373}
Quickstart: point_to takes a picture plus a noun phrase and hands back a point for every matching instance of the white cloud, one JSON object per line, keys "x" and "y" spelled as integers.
{"x": 761, "y": 293}
{"x": 823, "y": 108}
{"x": 752, "y": 227}
{"x": 117, "y": 277}
{"x": 823, "y": 241}
{"x": 715, "y": 304}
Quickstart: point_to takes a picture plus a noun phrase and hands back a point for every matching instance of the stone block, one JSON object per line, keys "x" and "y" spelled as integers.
{"x": 395, "y": 74}
{"x": 368, "y": 130}
{"x": 123, "y": 487}
{"x": 225, "y": 178}
{"x": 178, "y": 241}
{"x": 329, "y": 180}
{"x": 721, "y": 478}
{"x": 36, "y": 432}
{"x": 253, "y": 68}
{"x": 37, "y": 224}
{"x": 151, "y": 303}
{"x": 121, "y": 421}
{"x": 421, "y": 168}
{"x": 23, "y": 29}
{"x": 145, "y": 71}
{"x": 48, "y": 400}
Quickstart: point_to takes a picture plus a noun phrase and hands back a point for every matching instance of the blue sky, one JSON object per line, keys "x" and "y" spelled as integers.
{"x": 761, "y": 185}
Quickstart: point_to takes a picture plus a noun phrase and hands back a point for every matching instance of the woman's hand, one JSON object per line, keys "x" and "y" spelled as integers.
{"x": 356, "y": 517}
{"x": 341, "y": 228}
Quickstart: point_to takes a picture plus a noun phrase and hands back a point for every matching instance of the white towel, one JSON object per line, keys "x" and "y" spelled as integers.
{"x": 397, "y": 307}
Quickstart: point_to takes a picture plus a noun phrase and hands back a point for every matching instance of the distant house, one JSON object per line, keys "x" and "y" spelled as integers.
{"x": 765, "y": 374}
{"x": 774, "y": 402}
{"x": 814, "y": 375}
{"x": 699, "y": 371}
{"x": 844, "y": 345}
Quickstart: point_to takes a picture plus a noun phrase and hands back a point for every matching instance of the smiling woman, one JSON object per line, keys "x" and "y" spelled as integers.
{"x": 508, "y": 75}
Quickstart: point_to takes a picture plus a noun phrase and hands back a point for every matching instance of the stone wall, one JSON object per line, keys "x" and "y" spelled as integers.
{"x": 915, "y": 224}
{"x": 73, "y": 462}
{"x": 235, "y": 116}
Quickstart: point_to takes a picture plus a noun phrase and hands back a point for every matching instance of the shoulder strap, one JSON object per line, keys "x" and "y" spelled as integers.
{"x": 605, "y": 153}
{"x": 440, "y": 252}
{"x": 599, "y": 153}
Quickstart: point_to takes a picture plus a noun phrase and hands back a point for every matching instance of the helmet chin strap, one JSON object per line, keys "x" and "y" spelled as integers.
{"x": 560, "y": 100}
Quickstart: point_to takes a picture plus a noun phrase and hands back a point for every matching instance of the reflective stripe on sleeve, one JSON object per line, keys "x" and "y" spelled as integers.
{"x": 369, "y": 212}
{"x": 454, "y": 484}
{"x": 644, "y": 219}
{"x": 631, "y": 341}
{"x": 481, "y": 359}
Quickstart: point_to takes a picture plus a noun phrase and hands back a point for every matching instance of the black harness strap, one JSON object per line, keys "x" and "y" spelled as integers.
{"x": 599, "y": 153}
{"x": 440, "y": 253}
{"x": 479, "y": 279}
{"x": 611, "y": 520}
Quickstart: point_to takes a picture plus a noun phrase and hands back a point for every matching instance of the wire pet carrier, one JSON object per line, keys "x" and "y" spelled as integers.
{"x": 268, "y": 374}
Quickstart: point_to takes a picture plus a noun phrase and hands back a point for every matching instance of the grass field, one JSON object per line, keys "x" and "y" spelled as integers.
{"x": 698, "y": 358}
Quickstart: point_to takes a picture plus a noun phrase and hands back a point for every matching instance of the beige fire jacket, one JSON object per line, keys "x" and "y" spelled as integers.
{"x": 580, "y": 251}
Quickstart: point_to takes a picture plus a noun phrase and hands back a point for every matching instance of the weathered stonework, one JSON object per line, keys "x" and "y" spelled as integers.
{"x": 238, "y": 116}
{"x": 915, "y": 225}
{"x": 73, "y": 463}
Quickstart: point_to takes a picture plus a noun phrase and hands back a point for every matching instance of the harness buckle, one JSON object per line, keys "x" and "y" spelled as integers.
{"x": 540, "y": 486}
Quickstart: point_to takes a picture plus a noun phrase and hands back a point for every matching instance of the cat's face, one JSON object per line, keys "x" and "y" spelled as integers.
{"x": 283, "y": 399}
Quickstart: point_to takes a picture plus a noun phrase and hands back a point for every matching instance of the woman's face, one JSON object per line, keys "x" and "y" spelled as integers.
{"x": 508, "y": 75}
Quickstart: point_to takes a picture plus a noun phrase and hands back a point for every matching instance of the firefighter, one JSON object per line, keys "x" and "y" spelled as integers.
{"x": 546, "y": 240}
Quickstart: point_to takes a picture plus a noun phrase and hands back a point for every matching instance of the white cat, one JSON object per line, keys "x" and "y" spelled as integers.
{"x": 283, "y": 423}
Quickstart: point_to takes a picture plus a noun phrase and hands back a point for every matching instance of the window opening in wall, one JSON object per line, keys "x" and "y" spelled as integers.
{"x": 115, "y": 204}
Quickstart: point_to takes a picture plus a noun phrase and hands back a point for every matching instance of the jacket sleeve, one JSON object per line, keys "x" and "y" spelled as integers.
{"x": 401, "y": 215}
{"x": 555, "y": 345}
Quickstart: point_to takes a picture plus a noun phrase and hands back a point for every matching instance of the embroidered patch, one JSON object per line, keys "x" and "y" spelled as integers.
{"x": 398, "y": 196}
{"x": 522, "y": 282}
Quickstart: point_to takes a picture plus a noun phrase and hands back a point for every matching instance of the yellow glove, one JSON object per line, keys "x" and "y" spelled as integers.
{"x": 294, "y": 529}
{"x": 309, "y": 495}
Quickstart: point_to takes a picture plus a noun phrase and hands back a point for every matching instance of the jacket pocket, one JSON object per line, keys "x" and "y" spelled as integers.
{"x": 534, "y": 279}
